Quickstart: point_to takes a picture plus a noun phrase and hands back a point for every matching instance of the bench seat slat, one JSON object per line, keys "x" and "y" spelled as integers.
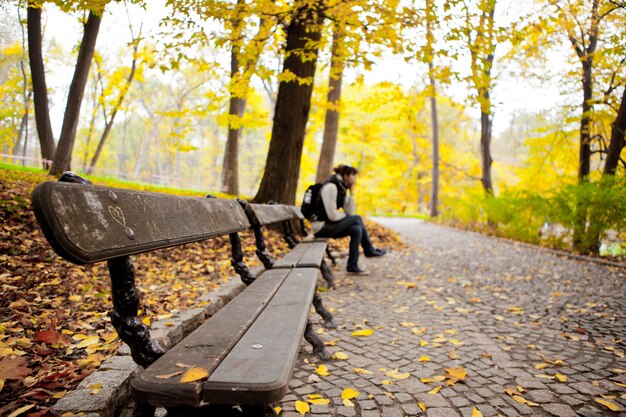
{"x": 260, "y": 376}
{"x": 267, "y": 214}
{"x": 304, "y": 255}
{"x": 86, "y": 223}
{"x": 207, "y": 345}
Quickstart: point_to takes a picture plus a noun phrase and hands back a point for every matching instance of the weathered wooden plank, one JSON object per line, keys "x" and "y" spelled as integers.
{"x": 207, "y": 345}
{"x": 258, "y": 369}
{"x": 86, "y": 224}
{"x": 314, "y": 254}
{"x": 273, "y": 213}
{"x": 292, "y": 258}
{"x": 304, "y": 255}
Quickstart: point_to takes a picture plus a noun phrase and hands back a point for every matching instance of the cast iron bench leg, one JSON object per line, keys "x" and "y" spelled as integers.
{"x": 327, "y": 274}
{"x": 131, "y": 330}
{"x": 327, "y": 318}
{"x": 318, "y": 346}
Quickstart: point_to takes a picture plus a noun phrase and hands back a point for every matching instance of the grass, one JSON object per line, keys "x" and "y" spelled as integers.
{"x": 119, "y": 183}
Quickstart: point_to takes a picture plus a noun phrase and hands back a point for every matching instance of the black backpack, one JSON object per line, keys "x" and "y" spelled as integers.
{"x": 311, "y": 200}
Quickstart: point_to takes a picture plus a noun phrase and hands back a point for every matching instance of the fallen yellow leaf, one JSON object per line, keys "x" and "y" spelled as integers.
{"x": 277, "y": 410}
{"x": 314, "y": 396}
{"x": 302, "y": 407}
{"x": 453, "y": 354}
{"x": 417, "y": 331}
{"x": 363, "y": 333}
{"x": 95, "y": 388}
{"x": 331, "y": 342}
{"x": 608, "y": 404}
{"x": 348, "y": 403}
{"x": 194, "y": 374}
{"x": 457, "y": 373}
{"x": 404, "y": 375}
{"x": 435, "y": 390}
{"x": 561, "y": 377}
{"x": 424, "y": 359}
{"x": 59, "y": 395}
{"x": 476, "y": 412}
{"x": 421, "y": 406}
{"x": 340, "y": 356}
{"x": 408, "y": 324}
{"x": 541, "y": 366}
{"x": 322, "y": 370}
{"x": 21, "y": 410}
{"x": 386, "y": 382}
{"x": 423, "y": 343}
{"x": 349, "y": 394}
{"x": 90, "y": 341}
{"x": 320, "y": 401}
{"x": 362, "y": 371}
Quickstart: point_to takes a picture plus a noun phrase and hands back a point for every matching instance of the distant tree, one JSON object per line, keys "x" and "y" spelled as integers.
{"x": 617, "y": 143}
{"x": 38, "y": 76}
{"x": 245, "y": 28}
{"x": 123, "y": 87}
{"x": 331, "y": 123}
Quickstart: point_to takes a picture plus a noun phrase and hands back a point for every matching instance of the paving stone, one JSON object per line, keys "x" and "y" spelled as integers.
{"x": 559, "y": 410}
{"x": 562, "y": 389}
{"x": 588, "y": 388}
{"x": 530, "y": 382}
{"x": 442, "y": 412}
{"x": 588, "y": 411}
{"x": 571, "y": 400}
{"x": 393, "y": 411}
{"x": 383, "y": 400}
{"x": 320, "y": 409}
{"x": 370, "y": 413}
{"x": 411, "y": 409}
{"x": 541, "y": 396}
{"x": 367, "y": 405}
{"x": 434, "y": 401}
{"x": 459, "y": 401}
{"x": 346, "y": 411}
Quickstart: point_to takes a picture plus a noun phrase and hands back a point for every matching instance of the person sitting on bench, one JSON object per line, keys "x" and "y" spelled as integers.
{"x": 331, "y": 223}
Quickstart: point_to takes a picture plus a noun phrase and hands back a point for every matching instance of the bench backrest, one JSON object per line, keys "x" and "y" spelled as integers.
{"x": 87, "y": 224}
{"x": 266, "y": 214}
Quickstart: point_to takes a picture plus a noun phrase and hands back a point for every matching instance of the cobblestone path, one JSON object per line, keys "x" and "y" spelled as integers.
{"x": 537, "y": 334}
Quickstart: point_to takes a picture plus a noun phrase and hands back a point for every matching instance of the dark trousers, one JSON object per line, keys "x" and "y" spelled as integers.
{"x": 354, "y": 227}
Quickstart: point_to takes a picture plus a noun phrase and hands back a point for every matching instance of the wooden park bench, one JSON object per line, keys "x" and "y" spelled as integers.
{"x": 249, "y": 347}
{"x": 303, "y": 254}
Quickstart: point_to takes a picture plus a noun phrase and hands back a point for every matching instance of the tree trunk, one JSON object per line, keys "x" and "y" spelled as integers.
{"x": 63, "y": 157}
{"x": 617, "y": 142}
{"x": 584, "y": 161}
{"x": 485, "y": 151}
{"x": 434, "y": 190}
{"x": 237, "y": 106}
{"x": 230, "y": 170}
{"x": 38, "y": 77}
{"x": 20, "y": 133}
{"x": 282, "y": 168}
{"x": 331, "y": 124}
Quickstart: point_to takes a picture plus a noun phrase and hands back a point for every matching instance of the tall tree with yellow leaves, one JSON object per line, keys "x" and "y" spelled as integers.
{"x": 282, "y": 167}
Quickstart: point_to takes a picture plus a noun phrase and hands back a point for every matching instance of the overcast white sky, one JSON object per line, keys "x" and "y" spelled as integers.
{"x": 510, "y": 95}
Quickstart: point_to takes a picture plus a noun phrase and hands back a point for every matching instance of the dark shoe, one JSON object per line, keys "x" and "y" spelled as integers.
{"x": 357, "y": 271}
{"x": 377, "y": 252}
